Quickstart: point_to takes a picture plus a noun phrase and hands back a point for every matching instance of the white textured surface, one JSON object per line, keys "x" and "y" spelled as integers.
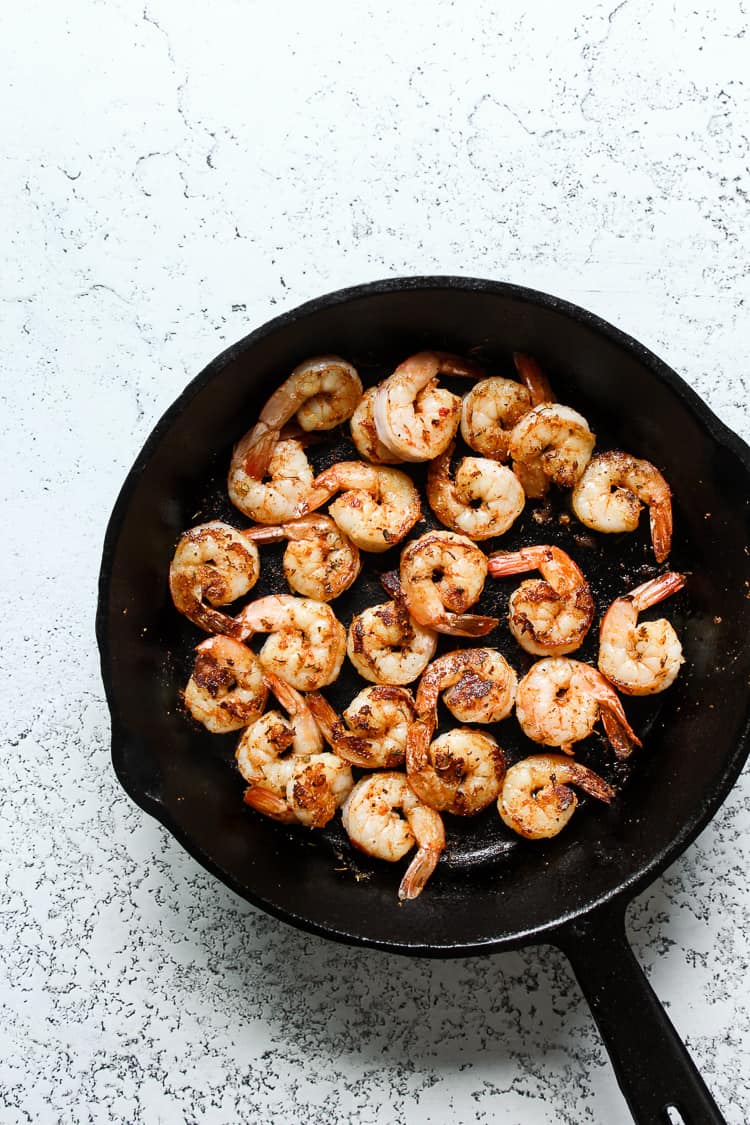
{"x": 174, "y": 176}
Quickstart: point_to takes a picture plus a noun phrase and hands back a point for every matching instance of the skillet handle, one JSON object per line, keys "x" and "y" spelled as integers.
{"x": 651, "y": 1063}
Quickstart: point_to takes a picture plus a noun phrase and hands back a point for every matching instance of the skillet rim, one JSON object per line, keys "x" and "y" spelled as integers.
{"x": 624, "y": 891}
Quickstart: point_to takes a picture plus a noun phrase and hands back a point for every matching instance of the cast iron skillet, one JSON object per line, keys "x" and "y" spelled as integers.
{"x": 490, "y": 893}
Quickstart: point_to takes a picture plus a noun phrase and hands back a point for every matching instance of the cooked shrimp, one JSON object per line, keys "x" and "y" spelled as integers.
{"x": 493, "y": 406}
{"x": 609, "y": 496}
{"x": 478, "y": 685}
{"x": 460, "y": 772}
{"x": 387, "y": 646}
{"x": 372, "y": 822}
{"x": 318, "y": 786}
{"x": 415, "y": 418}
{"x": 364, "y": 434}
{"x": 441, "y": 575}
{"x": 226, "y": 690}
{"x": 535, "y": 800}
{"x": 279, "y": 494}
{"x": 212, "y": 563}
{"x": 378, "y": 506}
{"x": 550, "y": 443}
{"x": 319, "y": 562}
{"x": 551, "y": 615}
{"x": 307, "y": 643}
{"x": 372, "y": 730}
{"x": 641, "y": 659}
{"x": 559, "y": 701}
{"x": 482, "y": 500}
{"x": 322, "y": 392}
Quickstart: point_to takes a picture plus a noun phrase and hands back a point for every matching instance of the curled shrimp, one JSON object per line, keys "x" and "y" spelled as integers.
{"x": 378, "y": 506}
{"x": 365, "y": 435}
{"x": 536, "y": 801}
{"x": 372, "y": 731}
{"x": 212, "y": 563}
{"x": 319, "y": 562}
{"x": 307, "y": 642}
{"x": 478, "y": 685}
{"x": 460, "y": 772}
{"x": 612, "y": 490}
{"x": 279, "y": 493}
{"x": 641, "y": 659}
{"x": 387, "y": 646}
{"x": 322, "y": 392}
{"x": 492, "y": 407}
{"x": 372, "y": 822}
{"x": 550, "y": 443}
{"x": 442, "y": 574}
{"x": 551, "y": 615}
{"x": 482, "y": 500}
{"x": 414, "y": 417}
{"x": 226, "y": 690}
{"x": 559, "y": 701}
{"x": 289, "y": 777}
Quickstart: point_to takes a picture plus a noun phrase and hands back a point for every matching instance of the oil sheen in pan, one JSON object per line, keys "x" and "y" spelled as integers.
{"x": 612, "y": 564}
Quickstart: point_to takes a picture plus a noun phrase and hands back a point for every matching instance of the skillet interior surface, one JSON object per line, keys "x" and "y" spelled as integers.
{"x": 491, "y": 888}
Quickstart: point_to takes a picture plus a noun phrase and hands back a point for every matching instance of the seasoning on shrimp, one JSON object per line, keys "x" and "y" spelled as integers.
{"x": 226, "y": 690}
{"x": 550, "y": 444}
{"x": 365, "y": 435}
{"x": 492, "y": 407}
{"x": 372, "y": 731}
{"x": 641, "y": 658}
{"x": 548, "y": 616}
{"x": 377, "y": 508}
{"x": 478, "y": 685}
{"x": 459, "y": 772}
{"x": 611, "y": 492}
{"x": 536, "y": 800}
{"x": 442, "y": 574}
{"x": 388, "y": 646}
{"x": 212, "y": 563}
{"x": 319, "y": 562}
{"x": 483, "y": 498}
{"x": 307, "y": 642}
{"x": 278, "y": 494}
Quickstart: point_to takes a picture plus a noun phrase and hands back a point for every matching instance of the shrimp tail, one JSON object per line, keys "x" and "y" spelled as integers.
{"x": 621, "y": 735}
{"x": 328, "y": 721}
{"x": 509, "y": 562}
{"x": 255, "y": 451}
{"x": 592, "y": 784}
{"x": 660, "y": 514}
{"x": 268, "y": 803}
{"x": 467, "y": 625}
{"x": 532, "y": 375}
{"x": 263, "y": 533}
{"x": 417, "y": 873}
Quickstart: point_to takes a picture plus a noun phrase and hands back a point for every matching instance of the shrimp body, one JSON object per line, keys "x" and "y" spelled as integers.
{"x": 319, "y": 562}
{"x": 365, "y": 435}
{"x": 226, "y": 690}
{"x": 478, "y": 685}
{"x": 550, "y": 443}
{"x": 612, "y": 490}
{"x": 212, "y": 563}
{"x": 387, "y": 646}
{"x": 372, "y": 822}
{"x": 548, "y": 616}
{"x": 645, "y": 658}
{"x": 414, "y": 417}
{"x": 277, "y": 495}
{"x": 442, "y": 574}
{"x": 559, "y": 701}
{"x": 459, "y": 772}
{"x": 322, "y": 392}
{"x": 482, "y": 500}
{"x": 493, "y": 407}
{"x": 372, "y": 731}
{"x": 377, "y": 508}
{"x": 307, "y": 642}
{"x": 319, "y": 785}
{"x": 536, "y": 801}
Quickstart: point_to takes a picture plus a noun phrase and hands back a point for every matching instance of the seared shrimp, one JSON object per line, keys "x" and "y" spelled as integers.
{"x": 378, "y": 506}
{"x": 441, "y": 575}
{"x": 641, "y": 659}
{"x": 493, "y": 406}
{"x": 415, "y": 418}
{"x": 535, "y": 800}
{"x": 609, "y": 496}
{"x": 364, "y": 434}
{"x": 483, "y": 499}
{"x": 226, "y": 690}
{"x": 212, "y": 563}
{"x": 460, "y": 772}
{"x": 372, "y": 730}
{"x": 550, "y": 443}
{"x": 318, "y": 786}
{"x": 322, "y": 392}
{"x": 277, "y": 495}
{"x": 372, "y": 822}
{"x": 559, "y": 701}
{"x": 387, "y": 646}
{"x": 319, "y": 562}
{"x": 478, "y": 685}
{"x": 307, "y": 643}
{"x": 548, "y": 616}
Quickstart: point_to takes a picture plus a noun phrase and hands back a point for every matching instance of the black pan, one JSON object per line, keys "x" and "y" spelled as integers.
{"x": 490, "y": 892}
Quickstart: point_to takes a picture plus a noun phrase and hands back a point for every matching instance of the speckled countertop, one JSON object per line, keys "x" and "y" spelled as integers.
{"x": 174, "y": 176}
